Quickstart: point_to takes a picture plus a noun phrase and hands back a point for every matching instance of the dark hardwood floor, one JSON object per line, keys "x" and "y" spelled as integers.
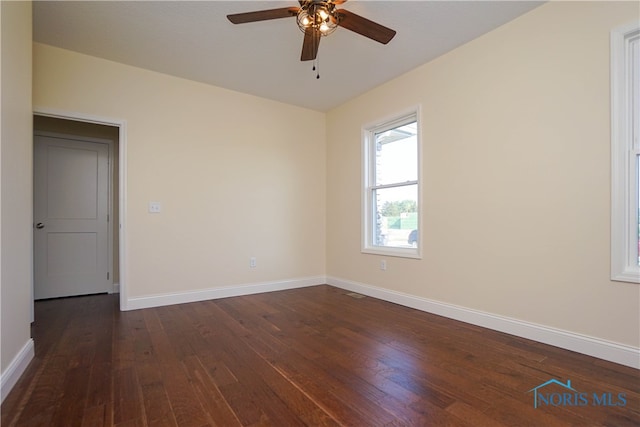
{"x": 311, "y": 356}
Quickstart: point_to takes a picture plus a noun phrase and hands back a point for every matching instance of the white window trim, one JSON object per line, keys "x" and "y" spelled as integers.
{"x": 367, "y": 133}
{"x": 624, "y": 152}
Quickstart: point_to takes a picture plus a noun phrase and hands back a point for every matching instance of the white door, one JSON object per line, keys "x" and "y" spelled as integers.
{"x": 70, "y": 217}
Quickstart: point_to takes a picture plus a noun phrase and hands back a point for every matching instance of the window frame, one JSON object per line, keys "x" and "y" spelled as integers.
{"x": 368, "y": 178}
{"x": 625, "y": 156}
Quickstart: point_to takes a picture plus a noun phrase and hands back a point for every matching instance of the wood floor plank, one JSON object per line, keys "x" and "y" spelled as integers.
{"x": 158, "y": 411}
{"x": 95, "y": 416}
{"x": 47, "y": 392}
{"x": 209, "y": 395}
{"x": 298, "y": 402}
{"x": 175, "y": 384}
{"x": 71, "y": 405}
{"x": 312, "y": 356}
{"x": 242, "y": 362}
{"x": 472, "y": 415}
{"x": 127, "y": 398}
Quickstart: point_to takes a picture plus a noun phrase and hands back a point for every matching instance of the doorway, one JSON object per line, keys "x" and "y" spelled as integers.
{"x": 76, "y": 207}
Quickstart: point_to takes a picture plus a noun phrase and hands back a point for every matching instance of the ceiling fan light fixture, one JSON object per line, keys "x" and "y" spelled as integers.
{"x": 320, "y": 16}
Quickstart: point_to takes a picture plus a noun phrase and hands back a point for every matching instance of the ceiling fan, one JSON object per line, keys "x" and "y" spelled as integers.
{"x": 317, "y": 18}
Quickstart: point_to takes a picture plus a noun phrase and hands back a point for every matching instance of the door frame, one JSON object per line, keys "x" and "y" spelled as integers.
{"x": 121, "y": 124}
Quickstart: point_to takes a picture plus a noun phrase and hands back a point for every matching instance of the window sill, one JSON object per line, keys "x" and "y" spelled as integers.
{"x": 631, "y": 275}
{"x": 412, "y": 253}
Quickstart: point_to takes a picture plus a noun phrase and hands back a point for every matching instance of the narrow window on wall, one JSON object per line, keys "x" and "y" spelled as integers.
{"x": 625, "y": 153}
{"x": 635, "y": 117}
{"x": 391, "y": 214}
{"x": 635, "y": 132}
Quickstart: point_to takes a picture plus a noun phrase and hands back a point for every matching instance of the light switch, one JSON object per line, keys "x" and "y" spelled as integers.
{"x": 154, "y": 207}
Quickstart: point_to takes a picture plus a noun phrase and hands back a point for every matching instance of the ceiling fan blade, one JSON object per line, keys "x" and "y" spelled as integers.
{"x": 310, "y": 44}
{"x": 365, "y": 27}
{"x": 263, "y": 15}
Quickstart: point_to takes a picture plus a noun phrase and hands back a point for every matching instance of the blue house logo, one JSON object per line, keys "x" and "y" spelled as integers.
{"x": 545, "y": 397}
{"x": 569, "y": 396}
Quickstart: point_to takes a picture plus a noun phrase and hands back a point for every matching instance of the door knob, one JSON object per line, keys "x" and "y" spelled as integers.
{"x": 39, "y": 225}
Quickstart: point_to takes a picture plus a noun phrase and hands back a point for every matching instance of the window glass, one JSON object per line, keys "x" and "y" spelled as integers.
{"x": 396, "y": 160}
{"x": 396, "y": 216}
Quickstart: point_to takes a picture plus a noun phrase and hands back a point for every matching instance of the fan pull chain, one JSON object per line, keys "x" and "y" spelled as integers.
{"x": 316, "y": 67}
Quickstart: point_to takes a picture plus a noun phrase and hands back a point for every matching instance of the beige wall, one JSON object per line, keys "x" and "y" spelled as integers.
{"x": 15, "y": 180}
{"x": 516, "y": 145}
{"x": 237, "y": 176}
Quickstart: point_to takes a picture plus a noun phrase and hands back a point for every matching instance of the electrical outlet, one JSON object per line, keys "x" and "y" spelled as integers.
{"x": 253, "y": 262}
{"x": 383, "y": 264}
{"x": 154, "y": 207}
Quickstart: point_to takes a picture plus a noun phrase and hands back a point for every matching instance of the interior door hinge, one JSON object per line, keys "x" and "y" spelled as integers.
{"x": 107, "y": 275}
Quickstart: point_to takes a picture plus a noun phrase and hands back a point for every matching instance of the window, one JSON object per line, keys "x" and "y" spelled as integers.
{"x": 391, "y": 220}
{"x": 625, "y": 153}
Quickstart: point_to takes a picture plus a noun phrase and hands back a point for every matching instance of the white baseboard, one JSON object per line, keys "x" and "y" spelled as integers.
{"x": 602, "y": 349}
{"x": 149, "y": 301}
{"x": 16, "y": 368}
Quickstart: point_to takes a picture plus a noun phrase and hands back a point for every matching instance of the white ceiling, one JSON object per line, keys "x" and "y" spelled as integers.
{"x": 194, "y": 40}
